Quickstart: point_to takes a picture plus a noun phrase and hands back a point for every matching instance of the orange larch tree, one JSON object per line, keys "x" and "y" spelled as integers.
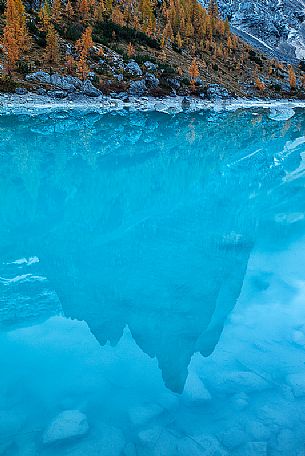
{"x": 83, "y": 46}
{"x": 56, "y": 10}
{"x": 16, "y": 39}
{"x": 292, "y": 78}
{"x": 83, "y": 8}
{"x": 99, "y": 11}
{"x": 69, "y": 9}
{"x": 194, "y": 73}
{"x": 52, "y": 53}
{"x": 44, "y": 15}
{"x": 130, "y": 50}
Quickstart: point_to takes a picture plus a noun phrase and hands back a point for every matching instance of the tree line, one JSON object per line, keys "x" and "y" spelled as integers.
{"x": 181, "y": 24}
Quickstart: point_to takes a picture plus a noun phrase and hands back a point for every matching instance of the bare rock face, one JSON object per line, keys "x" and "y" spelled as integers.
{"x": 151, "y": 80}
{"x": 89, "y": 89}
{"x": 217, "y": 92}
{"x": 277, "y": 27}
{"x": 137, "y": 88}
{"x": 133, "y": 68}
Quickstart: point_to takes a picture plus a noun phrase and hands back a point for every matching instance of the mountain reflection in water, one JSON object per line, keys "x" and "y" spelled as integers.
{"x": 146, "y": 220}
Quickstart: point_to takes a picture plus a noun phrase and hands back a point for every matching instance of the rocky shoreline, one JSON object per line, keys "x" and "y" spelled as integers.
{"x": 33, "y": 103}
{"x": 47, "y": 91}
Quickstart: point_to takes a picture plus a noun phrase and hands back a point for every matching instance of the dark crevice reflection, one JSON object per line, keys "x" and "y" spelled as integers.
{"x": 148, "y": 220}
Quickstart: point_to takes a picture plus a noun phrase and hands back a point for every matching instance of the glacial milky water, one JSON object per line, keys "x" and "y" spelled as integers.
{"x": 152, "y": 284}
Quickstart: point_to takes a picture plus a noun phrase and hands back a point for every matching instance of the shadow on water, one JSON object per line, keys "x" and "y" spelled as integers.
{"x": 148, "y": 220}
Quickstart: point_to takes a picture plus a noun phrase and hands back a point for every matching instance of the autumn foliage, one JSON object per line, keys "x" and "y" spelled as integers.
{"x": 182, "y": 36}
{"x": 259, "y": 84}
{"x": 16, "y": 40}
{"x": 52, "y": 54}
{"x": 292, "y": 78}
{"x": 83, "y": 46}
{"x": 194, "y": 73}
{"x": 180, "y": 23}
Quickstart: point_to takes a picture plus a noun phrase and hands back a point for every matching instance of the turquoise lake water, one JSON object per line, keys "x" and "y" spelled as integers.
{"x": 152, "y": 284}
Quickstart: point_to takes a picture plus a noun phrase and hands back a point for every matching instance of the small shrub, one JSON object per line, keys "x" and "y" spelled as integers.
{"x": 114, "y": 86}
{"x": 277, "y": 87}
{"x": 140, "y": 59}
{"x": 108, "y": 29}
{"x": 167, "y": 69}
{"x": 23, "y": 67}
{"x": 7, "y": 84}
{"x": 39, "y": 35}
{"x": 302, "y": 65}
{"x": 72, "y": 31}
{"x": 160, "y": 91}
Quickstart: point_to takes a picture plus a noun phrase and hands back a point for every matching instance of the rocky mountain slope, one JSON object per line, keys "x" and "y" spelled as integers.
{"x": 135, "y": 48}
{"x": 277, "y": 27}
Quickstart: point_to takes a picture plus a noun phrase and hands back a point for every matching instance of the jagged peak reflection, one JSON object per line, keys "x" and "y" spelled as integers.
{"x": 144, "y": 220}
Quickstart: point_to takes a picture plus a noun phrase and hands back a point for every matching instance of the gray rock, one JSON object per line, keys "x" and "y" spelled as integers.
{"x": 41, "y": 91}
{"x": 186, "y": 103}
{"x": 124, "y": 96}
{"x": 21, "y": 91}
{"x": 121, "y": 95}
{"x": 57, "y": 93}
{"x": 151, "y": 80}
{"x": 89, "y": 89}
{"x": 62, "y": 82}
{"x": 282, "y": 73}
{"x": 56, "y": 80}
{"x": 174, "y": 83}
{"x": 39, "y": 76}
{"x": 68, "y": 83}
{"x": 137, "y": 88}
{"x": 149, "y": 66}
{"x": 217, "y": 92}
{"x": 68, "y": 49}
{"x": 120, "y": 77}
{"x": 280, "y": 25}
{"x": 133, "y": 68}
{"x": 76, "y": 82}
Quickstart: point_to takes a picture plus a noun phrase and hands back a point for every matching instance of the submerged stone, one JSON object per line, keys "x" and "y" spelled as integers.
{"x": 68, "y": 424}
{"x": 280, "y": 114}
